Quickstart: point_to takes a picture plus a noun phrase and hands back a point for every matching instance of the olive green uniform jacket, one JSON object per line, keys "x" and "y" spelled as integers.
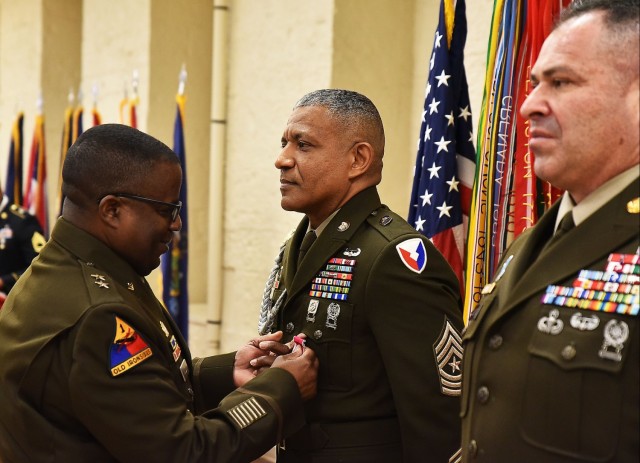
{"x": 389, "y": 348}
{"x": 542, "y": 382}
{"x": 92, "y": 369}
{"x": 20, "y": 241}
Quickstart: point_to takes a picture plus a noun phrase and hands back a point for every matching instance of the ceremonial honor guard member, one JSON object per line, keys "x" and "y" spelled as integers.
{"x": 92, "y": 367}
{"x": 551, "y": 353}
{"x": 377, "y": 302}
{"x": 21, "y": 239}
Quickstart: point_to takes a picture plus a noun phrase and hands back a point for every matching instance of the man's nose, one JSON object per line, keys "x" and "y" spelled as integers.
{"x": 283, "y": 160}
{"x": 534, "y": 104}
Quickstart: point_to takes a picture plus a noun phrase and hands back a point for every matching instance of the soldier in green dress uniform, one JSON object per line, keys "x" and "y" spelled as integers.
{"x": 550, "y": 372}
{"x": 377, "y": 302}
{"x": 92, "y": 367}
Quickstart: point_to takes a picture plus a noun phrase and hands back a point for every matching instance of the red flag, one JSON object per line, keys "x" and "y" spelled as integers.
{"x": 35, "y": 200}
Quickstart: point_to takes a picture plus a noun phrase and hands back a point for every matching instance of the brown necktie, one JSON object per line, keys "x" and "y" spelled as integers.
{"x": 307, "y": 241}
{"x": 564, "y": 226}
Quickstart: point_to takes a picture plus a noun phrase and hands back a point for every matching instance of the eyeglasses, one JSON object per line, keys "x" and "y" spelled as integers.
{"x": 175, "y": 207}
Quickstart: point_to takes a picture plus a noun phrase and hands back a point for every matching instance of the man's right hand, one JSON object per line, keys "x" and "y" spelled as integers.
{"x": 303, "y": 365}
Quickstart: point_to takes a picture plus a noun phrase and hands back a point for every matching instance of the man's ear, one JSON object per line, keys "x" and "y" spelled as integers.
{"x": 110, "y": 211}
{"x": 362, "y": 158}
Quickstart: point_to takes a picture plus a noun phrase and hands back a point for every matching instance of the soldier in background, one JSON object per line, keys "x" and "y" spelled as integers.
{"x": 551, "y": 354}
{"x": 21, "y": 239}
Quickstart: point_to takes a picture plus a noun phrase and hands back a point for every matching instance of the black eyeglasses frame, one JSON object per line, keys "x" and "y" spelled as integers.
{"x": 175, "y": 212}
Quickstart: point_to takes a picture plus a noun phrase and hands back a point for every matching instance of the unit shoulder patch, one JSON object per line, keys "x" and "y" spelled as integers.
{"x": 128, "y": 348}
{"x": 448, "y": 355}
{"x": 413, "y": 254}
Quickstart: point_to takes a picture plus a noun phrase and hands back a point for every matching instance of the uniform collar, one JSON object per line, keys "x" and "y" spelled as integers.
{"x": 91, "y": 250}
{"x": 598, "y": 198}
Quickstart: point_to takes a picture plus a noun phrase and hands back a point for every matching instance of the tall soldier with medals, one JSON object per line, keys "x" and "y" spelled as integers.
{"x": 376, "y": 300}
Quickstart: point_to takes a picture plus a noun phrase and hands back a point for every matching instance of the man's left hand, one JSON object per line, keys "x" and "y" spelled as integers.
{"x": 256, "y": 355}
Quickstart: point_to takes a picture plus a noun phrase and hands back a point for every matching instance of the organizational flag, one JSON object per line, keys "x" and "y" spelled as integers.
{"x": 128, "y": 111}
{"x": 65, "y": 144}
{"x": 128, "y": 106}
{"x": 77, "y": 127}
{"x": 71, "y": 130}
{"x": 445, "y": 162}
{"x": 13, "y": 184}
{"x": 96, "y": 116}
{"x": 35, "y": 198}
{"x": 174, "y": 264}
{"x": 507, "y": 198}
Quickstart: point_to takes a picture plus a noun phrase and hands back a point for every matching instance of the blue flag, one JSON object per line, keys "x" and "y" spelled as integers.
{"x": 174, "y": 264}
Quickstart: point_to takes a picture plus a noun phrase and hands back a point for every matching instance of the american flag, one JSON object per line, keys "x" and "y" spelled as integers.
{"x": 445, "y": 163}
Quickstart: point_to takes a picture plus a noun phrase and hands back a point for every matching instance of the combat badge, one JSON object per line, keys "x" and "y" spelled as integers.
{"x": 584, "y": 322}
{"x": 615, "y": 334}
{"x": 413, "y": 254}
{"x": 127, "y": 350}
{"x": 352, "y": 252}
{"x": 448, "y": 354}
{"x": 551, "y": 324}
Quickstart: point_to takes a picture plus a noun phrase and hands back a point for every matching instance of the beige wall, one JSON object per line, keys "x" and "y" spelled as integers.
{"x": 274, "y": 52}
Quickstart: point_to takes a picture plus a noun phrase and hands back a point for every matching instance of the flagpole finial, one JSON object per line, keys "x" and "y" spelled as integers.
{"x": 40, "y": 103}
{"x": 134, "y": 83}
{"x": 94, "y": 92}
{"x": 183, "y": 79}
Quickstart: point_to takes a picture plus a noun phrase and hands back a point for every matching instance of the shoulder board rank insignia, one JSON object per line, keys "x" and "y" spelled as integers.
{"x": 128, "y": 349}
{"x": 413, "y": 254}
{"x": 17, "y": 210}
{"x": 38, "y": 241}
{"x": 246, "y": 413}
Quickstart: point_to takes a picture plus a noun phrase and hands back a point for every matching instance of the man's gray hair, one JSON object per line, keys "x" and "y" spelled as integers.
{"x": 353, "y": 110}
